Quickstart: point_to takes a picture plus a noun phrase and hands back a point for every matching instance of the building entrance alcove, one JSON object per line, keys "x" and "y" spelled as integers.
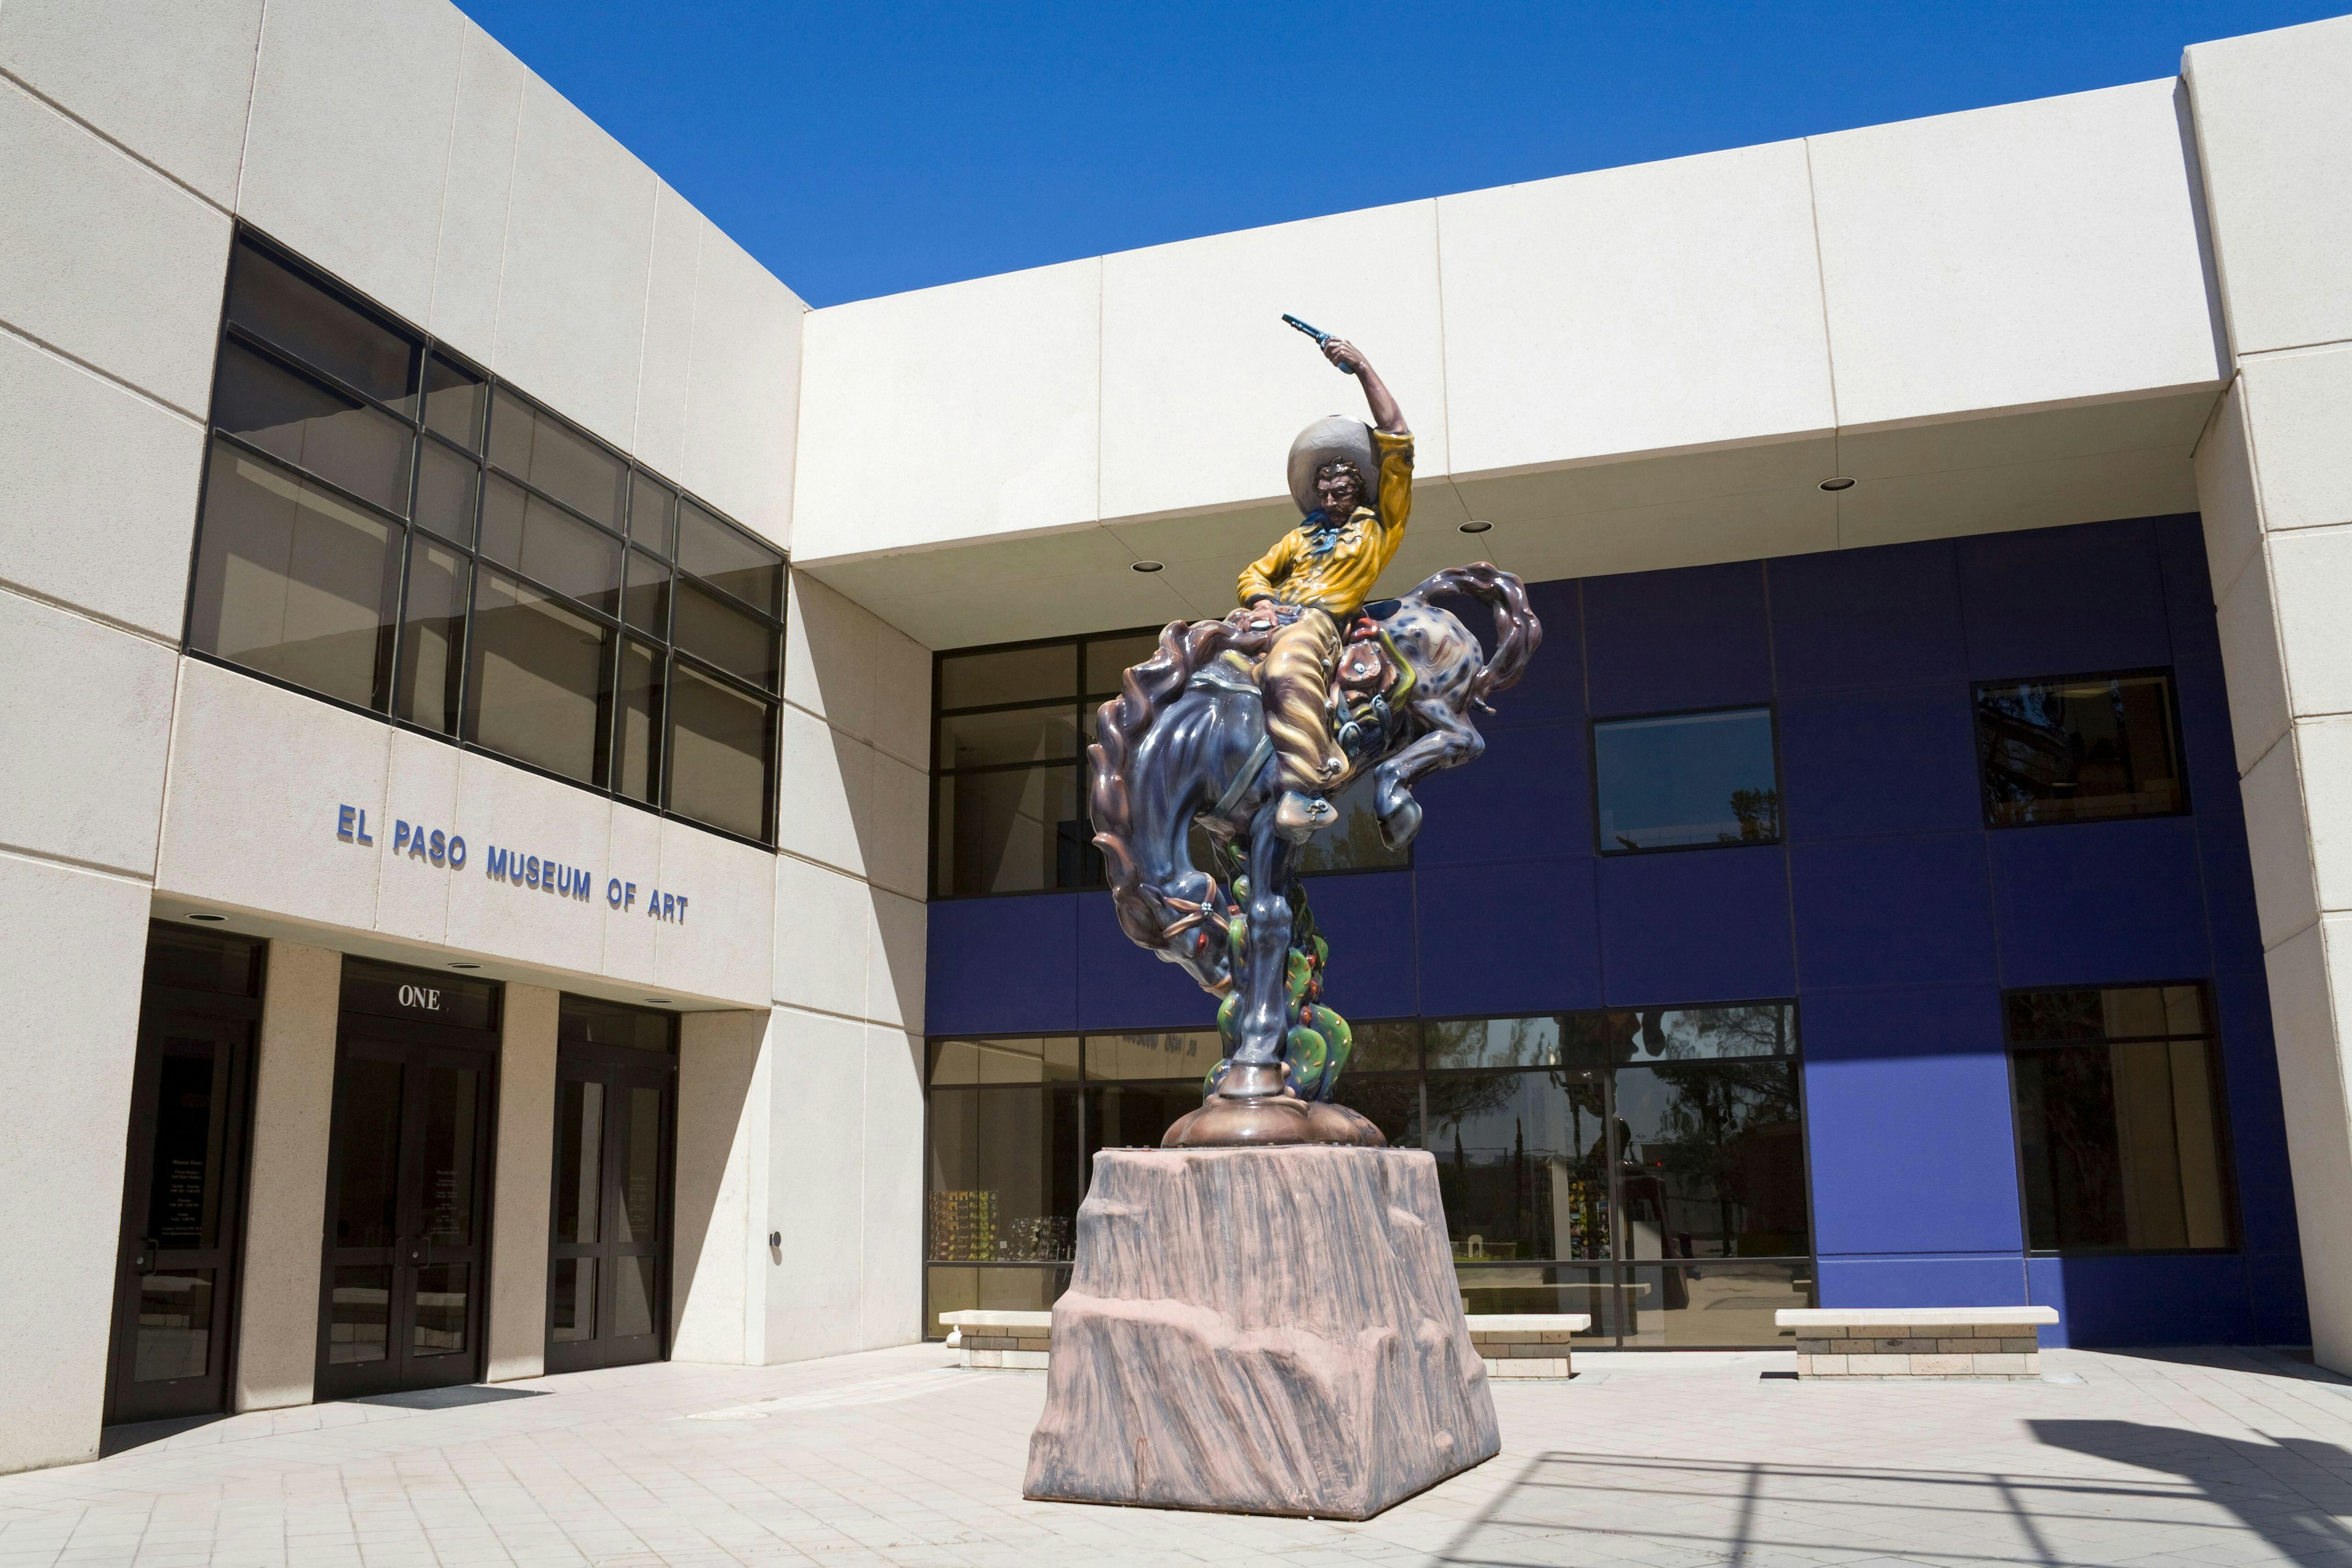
{"x": 405, "y": 1269}
{"x": 183, "y": 1177}
{"x": 609, "y": 1233}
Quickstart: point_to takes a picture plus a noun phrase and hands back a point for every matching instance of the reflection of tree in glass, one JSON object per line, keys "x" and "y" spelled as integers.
{"x": 1705, "y": 1126}
{"x": 1355, "y": 843}
{"x": 1758, "y": 812}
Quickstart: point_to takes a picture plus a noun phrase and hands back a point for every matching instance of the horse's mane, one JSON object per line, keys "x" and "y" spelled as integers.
{"x": 1143, "y": 692}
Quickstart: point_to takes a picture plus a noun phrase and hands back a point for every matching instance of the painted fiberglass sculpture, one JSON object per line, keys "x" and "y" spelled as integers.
{"x": 1249, "y": 724}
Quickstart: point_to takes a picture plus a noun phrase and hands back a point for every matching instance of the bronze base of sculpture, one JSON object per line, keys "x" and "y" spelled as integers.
{"x": 1254, "y": 1108}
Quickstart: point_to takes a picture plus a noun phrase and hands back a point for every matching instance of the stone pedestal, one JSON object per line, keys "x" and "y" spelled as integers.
{"x": 1261, "y": 1330}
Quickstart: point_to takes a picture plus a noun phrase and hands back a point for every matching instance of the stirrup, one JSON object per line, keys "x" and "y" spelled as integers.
{"x": 1298, "y": 816}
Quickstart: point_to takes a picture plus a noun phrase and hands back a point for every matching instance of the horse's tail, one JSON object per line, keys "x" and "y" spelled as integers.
{"x": 1144, "y": 692}
{"x": 1518, "y": 633}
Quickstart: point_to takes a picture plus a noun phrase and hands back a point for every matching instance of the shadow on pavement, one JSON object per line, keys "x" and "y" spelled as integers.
{"x": 2292, "y": 1491}
{"x": 450, "y": 1398}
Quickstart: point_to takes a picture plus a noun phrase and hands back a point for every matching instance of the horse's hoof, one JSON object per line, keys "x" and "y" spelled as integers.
{"x": 1300, "y": 817}
{"x": 1338, "y": 1124}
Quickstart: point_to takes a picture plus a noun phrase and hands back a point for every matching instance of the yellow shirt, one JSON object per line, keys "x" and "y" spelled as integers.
{"x": 1339, "y": 580}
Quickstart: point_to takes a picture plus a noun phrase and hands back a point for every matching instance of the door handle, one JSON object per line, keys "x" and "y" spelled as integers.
{"x": 142, "y": 1261}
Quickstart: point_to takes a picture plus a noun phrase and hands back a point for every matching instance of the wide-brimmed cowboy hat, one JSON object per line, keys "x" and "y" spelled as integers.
{"x": 1330, "y": 440}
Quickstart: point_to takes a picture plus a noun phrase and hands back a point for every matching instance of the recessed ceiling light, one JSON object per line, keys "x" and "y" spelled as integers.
{"x": 465, "y": 966}
{"x": 1839, "y": 483}
{"x": 209, "y": 920}
{"x": 1476, "y": 527}
{"x": 1146, "y": 566}
{"x": 658, "y": 1000}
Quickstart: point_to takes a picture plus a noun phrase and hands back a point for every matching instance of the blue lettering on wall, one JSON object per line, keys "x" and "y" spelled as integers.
{"x": 438, "y": 847}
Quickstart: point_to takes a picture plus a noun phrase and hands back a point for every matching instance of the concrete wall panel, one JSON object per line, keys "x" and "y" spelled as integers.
{"x": 526, "y": 1169}
{"x": 2029, "y": 254}
{"x": 171, "y": 82}
{"x": 723, "y": 945}
{"x": 286, "y": 1206}
{"x": 814, "y": 1182}
{"x": 72, "y": 946}
{"x": 823, "y": 938}
{"x": 529, "y": 816}
{"x": 2273, "y": 120}
{"x": 659, "y": 441}
{"x": 349, "y": 142}
{"x": 104, "y": 259}
{"x": 1203, "y": 387}
{"x": 891, "y": 1243}
{"x": 721, "y": 1262}
{"x": 2296, "y": 406}
{"x": 101, "y": 490}
{"x": 1668, "y": 305}
{"x": 572, "y": 298}
{"x": 469, "y": 259}
{"x": 988, "y": 393}
{"x": 742, "y": 400}
{"x": 412, "y": 897}
{"x": 86, "y": 718}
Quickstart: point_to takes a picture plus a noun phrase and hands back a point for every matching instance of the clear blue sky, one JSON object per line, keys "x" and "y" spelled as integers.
{"x": 864, "y": 149}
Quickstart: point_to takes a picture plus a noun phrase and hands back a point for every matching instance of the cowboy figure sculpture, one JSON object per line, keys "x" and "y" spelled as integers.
{"x": 1247, "y": 727}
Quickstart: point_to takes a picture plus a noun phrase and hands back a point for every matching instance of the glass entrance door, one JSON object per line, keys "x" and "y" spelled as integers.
{"x": 405, "y": 1274}
{"x": 185, "y": 1162}
{"x": 608, "y": 1246}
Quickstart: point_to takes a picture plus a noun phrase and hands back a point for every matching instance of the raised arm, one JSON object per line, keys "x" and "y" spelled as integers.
{"x": 1386, "y": 414}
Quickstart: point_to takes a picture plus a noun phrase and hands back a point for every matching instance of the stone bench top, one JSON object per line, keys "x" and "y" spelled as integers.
{"x": 1906, "y": 1317}
{"x": 997, "y": 1319}
{"x": 1529, "y": 1323}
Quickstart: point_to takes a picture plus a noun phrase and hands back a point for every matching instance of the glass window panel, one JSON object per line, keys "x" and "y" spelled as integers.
{"x": 1493, "y": 1042}
{"x": 1187, "y": 1055}
{"x": 455, "y": 400}
{"x": 1109, "y": 657}
{"x": 175, "y": 1325}
{"x": 579, "y": 1160}
{"x": 1127, "y": 1116}
{"x": 1391, "y": 1103}
{"x": 1048, "y": 1059}
{"x": 367, "y": 1139}
{"x": 2120, "y": 1011}
{"x": 337, "y": 438}
{"x": 432, "y": 636}
{"x": 1014, "y": 675}
{"x": 640, "y": 1213}
{"x": 652, "y": 518}
{"x": 204, "y": 960}
{"x": 999, "y": 1160}
{"x": 2120, "y": 1147}
{"x": 543, "y": 451}
{"x": 1681, "y": 1034}
{"x": 709, "y": 626}
{"x": 1014, "y": 831}
{"x": 632, "y": 1305}
{"x": 1390, "y": 1045}
{"x": 1712, "y": 1162}
{"x": 1353, "y": 843}
{"x": 191, "y": 1126}
{"x": 637, "y": 696}
{"x": 1594, "y": 1290}
{"x": 1712, "y": 1306}
{"x": 730, "y": 560}
{"x": 720, "y": 743}
{"x": 443, "y": 1292}
{"x": 549, "y": 546}
{"x": 1522, "y": 1164}
{"x": 446, "y": 481}
{"x": 535, "y": 679}
{"x": 1020, "y": 735}
{"x": 293, "y": 582}
{"x": 2078, "y": 751}
{"x": 1016, "y": 1289}
{"x": 452, "y": 1101}
{"x": 359, "y": 1314}
{"x": 275, "y": 302}
{"x": 1687, "y": 779}
{"x": 572, "y": 1301}
{"x": 645, "y": 604}
{"x": 598, "y": 1023}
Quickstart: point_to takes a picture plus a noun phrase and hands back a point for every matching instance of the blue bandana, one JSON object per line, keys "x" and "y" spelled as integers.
{"x": 1322, "y": 534}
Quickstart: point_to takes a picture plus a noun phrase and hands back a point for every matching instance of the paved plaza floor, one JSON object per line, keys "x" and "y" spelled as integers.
{"x": 2212, "y": 1457}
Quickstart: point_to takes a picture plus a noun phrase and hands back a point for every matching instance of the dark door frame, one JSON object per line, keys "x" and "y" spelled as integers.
{"x": 619, "y": 1068}
{"x": 417, "y": 1044}
{"x": 231, "y": 1023}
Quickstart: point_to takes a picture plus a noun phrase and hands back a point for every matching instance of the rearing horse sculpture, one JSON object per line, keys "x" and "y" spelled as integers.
{"x": 1189, "y": 740}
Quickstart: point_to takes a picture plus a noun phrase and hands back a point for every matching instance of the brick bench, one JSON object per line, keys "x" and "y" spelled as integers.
{"x": 1512, "y": 1344}
{"x": 1917, "y": 1341}
{"x": 1017, "y": 1341}
{"x": 1526, "y": 1345}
